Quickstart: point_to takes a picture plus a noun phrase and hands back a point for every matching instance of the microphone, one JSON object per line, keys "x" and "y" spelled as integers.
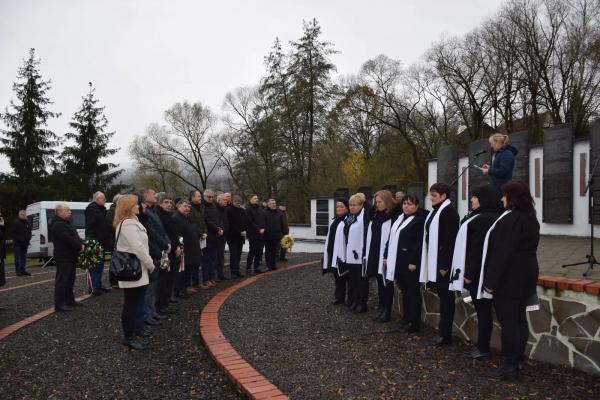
{"x": 480, "y": 153}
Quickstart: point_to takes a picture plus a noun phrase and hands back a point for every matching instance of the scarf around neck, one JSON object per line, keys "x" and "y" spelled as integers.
{"x": 429, "y": 254}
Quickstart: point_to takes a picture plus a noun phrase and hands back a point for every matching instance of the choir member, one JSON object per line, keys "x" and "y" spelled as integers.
{"x": 510, "y": 272}
{"x": 354, "y": 233}
{"x": 439, "y": 234}
{"x": 466, "y": 262}
{"x": 403, "y": 259}
{"x": 333, "y": 252}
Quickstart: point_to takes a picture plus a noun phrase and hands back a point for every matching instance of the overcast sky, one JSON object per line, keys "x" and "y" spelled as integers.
{"x": 144, "y": 55}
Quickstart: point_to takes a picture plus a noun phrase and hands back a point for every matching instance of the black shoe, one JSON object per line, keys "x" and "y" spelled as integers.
{"x": 152, "y": 322}
{"x": 182, "y": 295}
{"x": 439, "y": 341}
{"x": 337, "y": 302}
{"x": 166, "y": 311}
{"x": 25, "y": 273}
{"x": 385, "y": 316}
{"x": 505, "y": 372}
{"x": 105, "y": 290}
{"x": 348, "y": 303}
{"x": 360, "y": 309}
{"x": 476, "y": 354}
{"x": 223, "y": 278}
{"x": 159, "y": 316}
{"x": 283, "y": 260}
{"x": 97, "y": 292}
{"x": 142, "y": 333}
{"x": 133, "y": 343}
{"x": 380, "y": 311}
{"x": 63, "y": 309}
{"x": 408, "y": 328}
{"x": 173, "y": 301}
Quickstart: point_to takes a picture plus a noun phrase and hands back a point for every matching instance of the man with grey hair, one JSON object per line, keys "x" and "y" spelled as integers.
{"x": 214, "y": 228}
{"x": 96, "y": 227}
{"x": 399, "y": 196}
{"x": 222, "y": 206}
{"x": 67, "y": 246}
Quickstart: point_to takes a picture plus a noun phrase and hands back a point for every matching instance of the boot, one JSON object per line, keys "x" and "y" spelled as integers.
{"x": 133, "y": 343}
{"x": 385, "y": 315}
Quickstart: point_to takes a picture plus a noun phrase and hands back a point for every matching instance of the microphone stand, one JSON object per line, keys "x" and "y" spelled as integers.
{"x": 469, "y": 165}
{"x": 590, "y": 258}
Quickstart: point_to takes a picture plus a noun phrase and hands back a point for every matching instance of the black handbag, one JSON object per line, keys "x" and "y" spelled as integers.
{"x": 125, "y": 266}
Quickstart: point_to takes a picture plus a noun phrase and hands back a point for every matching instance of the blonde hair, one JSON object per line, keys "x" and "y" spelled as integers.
{"x": 499, "y": 138}
{"x": 386, "y": 197}
{"x": 124, "y": 208}
{"x": 358, "y": 199}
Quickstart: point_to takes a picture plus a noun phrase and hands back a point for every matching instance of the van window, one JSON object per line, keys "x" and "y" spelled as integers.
{"x": 34, "y": 221}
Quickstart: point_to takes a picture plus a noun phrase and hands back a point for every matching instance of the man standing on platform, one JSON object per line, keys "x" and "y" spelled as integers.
{"x": 67, "y": 246}
{"x": 20, "y": 231}
{"x": 96, "y": 227}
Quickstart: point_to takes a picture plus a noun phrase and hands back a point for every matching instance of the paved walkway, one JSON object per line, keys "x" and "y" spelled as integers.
{"x": 555, "y": 251}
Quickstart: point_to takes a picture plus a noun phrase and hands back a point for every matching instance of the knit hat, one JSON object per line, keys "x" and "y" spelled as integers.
{"x": 489, "y": 199}
{"x": 344, "y": 201}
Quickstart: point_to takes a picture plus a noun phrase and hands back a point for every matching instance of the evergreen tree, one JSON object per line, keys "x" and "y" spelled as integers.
{"x": 82, "y": 160}
{"x": 29, "y": 146}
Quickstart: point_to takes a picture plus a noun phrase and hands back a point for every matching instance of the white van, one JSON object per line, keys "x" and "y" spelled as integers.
{"x": 40, "y": 215}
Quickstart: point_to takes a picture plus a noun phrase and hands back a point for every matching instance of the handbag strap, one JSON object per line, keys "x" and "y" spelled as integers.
{"x": 119, "y": 232}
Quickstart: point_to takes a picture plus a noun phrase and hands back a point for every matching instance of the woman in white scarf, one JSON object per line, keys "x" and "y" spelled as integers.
{"x": 354, "y": 234}
{"x": 333, "y": 257}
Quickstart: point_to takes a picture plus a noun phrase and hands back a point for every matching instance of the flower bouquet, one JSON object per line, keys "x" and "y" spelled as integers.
{"x": 287, "y": 242}
{"x": 90, "y": 256}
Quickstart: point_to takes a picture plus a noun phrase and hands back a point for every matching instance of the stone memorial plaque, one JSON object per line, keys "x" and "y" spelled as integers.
{"x": 367, "y": 191}
{"x": 417, "y": 189}
{"x": 447, "y": 167}
{"x": 391, "y": 188}
{"x": 520, "y": 141}
{"x": 476, "y": 177}
{"x": 594, "y": 157}
{"x": 341, "y": 193}
{"x": 558, "y": 175}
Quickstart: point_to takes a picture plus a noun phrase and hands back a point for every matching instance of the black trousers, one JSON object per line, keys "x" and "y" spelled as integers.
{"x": 2, "y": 271}
{"x": 164, "y": 286}
{"x": 447, "y": 307}
{"x": 341, "y": 285}
{"x": 408, "y": 282}
{"x": 359, "y": 286}
{"x": 255, "y": 253}
{"x": 271, "y": 248}
{"x": 513, "y": 321}
{"x": 63, "y": 284}
{"x": 485, "y": 320}
{"x": 131, "y": 299}
{"x": 235, "y": 253}
{"x": 385, "y": 293}
{"x": 220, "y": 256}
{"x": 282, "y": 253}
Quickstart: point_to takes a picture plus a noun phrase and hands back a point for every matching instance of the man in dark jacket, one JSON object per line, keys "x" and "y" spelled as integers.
{"x": 275, "y": 228}
{"x": 191, "y": 246}
{"x": 197, "y": 218}
{"x": 236, "y": 236}
{"x": 97, "y": 228}
{"x": 167, "y": 277}
{"x": 222, "y": 206}
{"x": 214, "y": 227}
{"x": 67, "y": 246}
{"x": 256, "y": 230}
{"x": 20, "y": 231}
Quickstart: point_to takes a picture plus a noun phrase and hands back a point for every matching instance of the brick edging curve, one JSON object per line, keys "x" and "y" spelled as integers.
{"x": 243, "y": 375}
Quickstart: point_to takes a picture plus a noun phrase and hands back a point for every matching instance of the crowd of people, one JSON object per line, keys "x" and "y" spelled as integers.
{"x": 491, "y": 254}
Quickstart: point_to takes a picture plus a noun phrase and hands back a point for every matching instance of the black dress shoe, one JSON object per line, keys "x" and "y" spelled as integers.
{"x": 133, "y": 343}
{"x": 348, "y": 303}
{"x": 439, "y": 341}
{"x": 105, "y": 290}
{"x": 25, "y": 273}
{"x": 360, "y": 309}
{"x": 152, "y": 322}
{"x": 274, "y": 268}
{"x": 505, "y": 372}
{"x": 97, "y": 292}
{"x": 237, "y": 275}
{"x": 380, "y": 312}
{"x": 337, "y": 302}
{"x": 167, "y": 311}
{"x": 142, "y": 333}
{"x": 63, "y": 309}
{"x": 476, "y": 354}
{"x": 385, "y": 316}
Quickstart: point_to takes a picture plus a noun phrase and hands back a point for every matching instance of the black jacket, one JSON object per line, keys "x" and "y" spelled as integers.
{"x": 275, "y": 224}
{"x": 96, "y": 225}
{"x": 448, "y": 228}
{"x": 2, "y": 242}
{"x": 410, "y": 245}
{"x": 110, "y": 216}
{"x": 379, "y": 218}
{"x": 476, "y": 232}
{"x": 66, "y": 240}
{"x": 168, "y": 223}
{"x": 256, "y": 219}
{"x": 511, "y": 266}
{"x": 224, "y": 219}
{"x": 238, "y": 223}
{"x": 20, "y": 231}
{"x": 191, "y": 244}
{"x": 213, "y": 220}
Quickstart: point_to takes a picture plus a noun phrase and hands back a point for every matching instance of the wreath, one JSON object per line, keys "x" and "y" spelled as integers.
{"x": 90, "y": 256}
{"x": 287, "y": 242}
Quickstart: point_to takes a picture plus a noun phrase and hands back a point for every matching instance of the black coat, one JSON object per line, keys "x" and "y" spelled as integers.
{"x": 476, "y": 232}
{"x": 214, "y": 221}
{"x": 20, "y": 231}
{"x": 410, "y": 244}
{"x": 379, "y": 218}
{"x": 168, "y": 222}
{"x": 191, "y": 244}
{"x": 238, "y": 222}
{"x": 66, "y": 240}
{"x": 2, "y": 242}
{"x": 511, "y": 266}
{"x": 110, "y": 216}
{"x": 224, "y": 219}
{"x": 256, "y": 220}
{"x": 448, "y": 228}
{"x": 275, "y": 224}
{"x": 96, "y": 225}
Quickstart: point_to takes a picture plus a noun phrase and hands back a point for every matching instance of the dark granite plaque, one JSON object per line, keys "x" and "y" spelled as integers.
{"x": 417, "y": 189}
{"x": 558, "y": 175}
{"x": 447, "y": 167}
{"x": 594, "y": 157}
{"x": 476, "y": 177}
{"x": 520, "y": 141}
{"x": 392, "y": 189}
{"x": 367, "y": 191}
{"x": 341, "y": 193}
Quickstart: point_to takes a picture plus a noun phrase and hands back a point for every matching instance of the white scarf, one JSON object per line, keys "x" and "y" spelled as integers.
{"x": 337, "y": 246}
{"x": 459, "y": 257}
{"x": 385, "y": 234}
{"x": 480, "y": 292}
{"x": 400, "y": 224}
{"x": 355, "y": 240}
{"x": 429, "y": 254}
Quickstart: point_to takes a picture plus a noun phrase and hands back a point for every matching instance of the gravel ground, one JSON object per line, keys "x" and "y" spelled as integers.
{"x": 285, "y": 326}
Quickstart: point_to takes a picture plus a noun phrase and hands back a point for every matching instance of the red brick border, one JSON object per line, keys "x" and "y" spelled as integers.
{"x": 574, "y": 284}
{"x": 241, "y": 373}
{"x": 9, "y": 330}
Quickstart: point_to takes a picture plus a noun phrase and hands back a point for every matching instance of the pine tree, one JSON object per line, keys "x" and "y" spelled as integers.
{"x": 29, "y": 146}
{"x": 82, "y": 161}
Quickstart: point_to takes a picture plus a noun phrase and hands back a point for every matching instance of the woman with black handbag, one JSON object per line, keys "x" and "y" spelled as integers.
{"x": 132, "y": 239}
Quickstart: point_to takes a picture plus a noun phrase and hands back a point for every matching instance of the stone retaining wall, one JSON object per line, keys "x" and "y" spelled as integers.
{"x": 565, "y": 330}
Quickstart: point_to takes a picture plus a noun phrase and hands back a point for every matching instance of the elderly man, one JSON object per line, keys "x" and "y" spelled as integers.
{"x": 67, "y": 246}
{"x": 222, "y": 206}
{"x": 236, "y": 236}
{"x": 20, "y": 231}
{"x": 399, "y": 196}
{"x": 214, "y": 227}
{"x": 256, "y": 229}
{"x": 197, "y": 217}
{"x": 191, "y": 247}
{"x": 96, "y": 227}
{"x": 275, "y": 227}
